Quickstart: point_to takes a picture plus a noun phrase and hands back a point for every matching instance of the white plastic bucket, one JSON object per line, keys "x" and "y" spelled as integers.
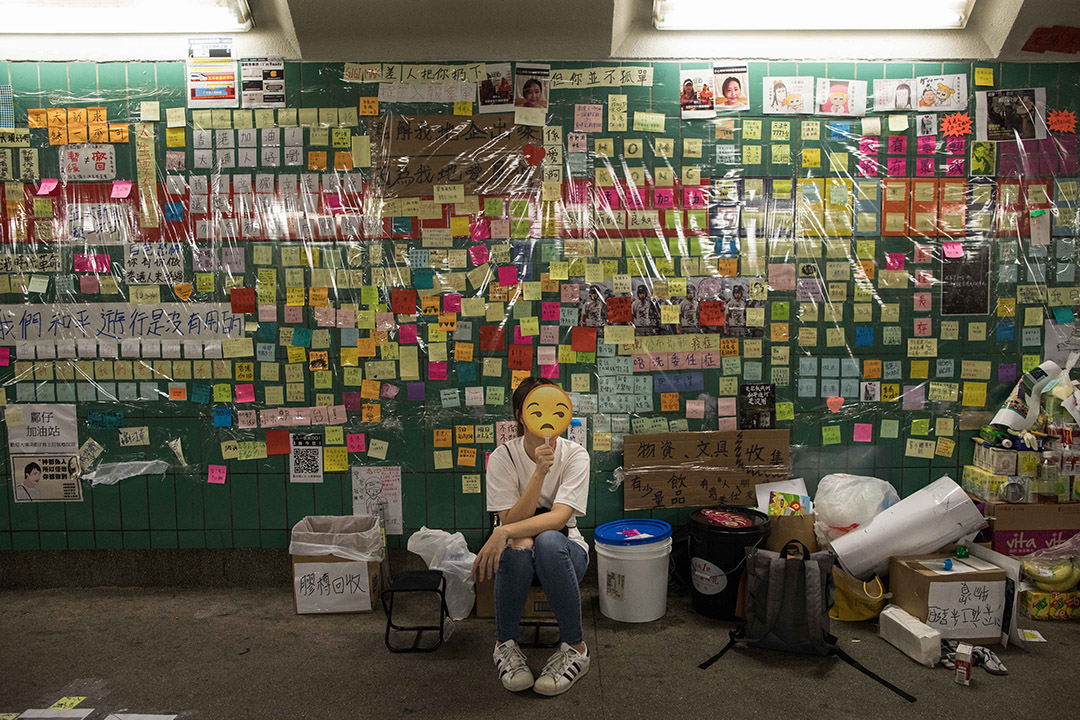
{"x": 633, "y": 580}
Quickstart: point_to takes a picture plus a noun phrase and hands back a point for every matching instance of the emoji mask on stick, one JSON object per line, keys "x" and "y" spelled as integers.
{"x": 547, "y": 411}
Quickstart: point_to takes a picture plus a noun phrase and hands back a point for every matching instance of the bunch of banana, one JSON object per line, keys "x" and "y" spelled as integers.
{"x": 1060, "y": 576}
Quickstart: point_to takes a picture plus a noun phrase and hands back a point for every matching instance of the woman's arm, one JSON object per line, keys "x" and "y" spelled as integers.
{"x": 487, "y": 560}
{"x": 526, "y": 505}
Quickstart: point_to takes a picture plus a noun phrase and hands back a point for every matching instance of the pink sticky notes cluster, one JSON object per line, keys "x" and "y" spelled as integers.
{"x": 356, "y": 442}
{"x": 216, "y": 474}
{"x": 508, "y": 275}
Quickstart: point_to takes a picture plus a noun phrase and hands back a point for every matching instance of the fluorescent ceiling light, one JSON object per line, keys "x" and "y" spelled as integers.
{"x": 92, "y": 17}
{"x": 720, "y": 15}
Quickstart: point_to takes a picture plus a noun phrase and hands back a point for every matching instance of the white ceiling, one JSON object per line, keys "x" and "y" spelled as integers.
{"x": 372, "y": 30}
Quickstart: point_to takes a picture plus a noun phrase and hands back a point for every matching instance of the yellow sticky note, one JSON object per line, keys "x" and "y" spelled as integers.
{"x": 974, "y": 394}
{"x": 470, "y": 484}
{"x": 463, "y": 108}
{"x": 984, "y": 76}
{"x": 335, "y": 458}
{"x": 335, "y": 435}
{"x": 67, "y": 703}
{"x": 449, "y": 193}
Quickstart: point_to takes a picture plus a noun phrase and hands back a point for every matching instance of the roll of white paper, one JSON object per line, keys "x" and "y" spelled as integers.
{"x": 938, "y": 514}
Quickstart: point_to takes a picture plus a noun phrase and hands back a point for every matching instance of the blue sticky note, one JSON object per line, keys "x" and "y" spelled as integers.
{"x": 349, "y": 336}
{"x": 1005, "y": 330}
{"x": 839, "y": 131}
{"x": 1064, "y": 315}
{"x": 864, "y": 335}
{"x": 267, "y": 332}
{"x": 200, "y": 394}
{"x": 422, "y": 279}
{"x": 265, "y": 352}
{"x": 174, "y": 212}
{"x": 222, "y": 417}
{"x": 466, "y": 372}
{"x": 402, "y": 225}
{"x": 301, "y": 337}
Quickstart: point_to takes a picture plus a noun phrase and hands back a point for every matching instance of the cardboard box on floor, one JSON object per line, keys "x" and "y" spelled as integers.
{"x": 330, "y": 584}
{"x": 963, "y": 604}
{"x": 1020, "y": 529}
{"x": 537, "y": 606}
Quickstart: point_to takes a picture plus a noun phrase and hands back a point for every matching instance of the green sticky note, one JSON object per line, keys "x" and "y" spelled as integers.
{"x": 728, "y": 386}
{"x": 493, "y": 206}
{"x": 890, "y": 428}
{"x": 731, "y": 365}
{"x": 1063, "y": 315}
{"x": 920, "y": 426}
{"x": 785, "y": 411}
{"x": 830, "y": 435}
{"x": 780, "y": 311}
{"x": 369, "y": 295}
{"x": 518, "y": 208}
{"x": 1038, "y": 213}
{"x": 494, "y": 395}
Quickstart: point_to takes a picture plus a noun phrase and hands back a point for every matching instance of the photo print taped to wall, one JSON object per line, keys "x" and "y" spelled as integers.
{"x": 1003, "y": 115}
{"x": 732, "y": 85}
{"x": 497, "y": 89}
{"x": 942, "y": 93}
{"x": 696, "y": 94}
{"x": 531, "y": 87}
{"x": 788, "y": 95}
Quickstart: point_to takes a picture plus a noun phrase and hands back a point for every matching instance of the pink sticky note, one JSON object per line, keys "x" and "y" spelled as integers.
{"x": 479, "y": 229}
{"x": 954, "y": 249}
{"x": 549, "y": 311}
{"x": 355, "y": 442}
{"x": 5, "y": 356}
{"x": 246, "y": 419}
{"x": 216, "y": 474}
{"x": 864, "y": 432}
{"x": 245, "y": 393}
{"x": 663, "y": 198}
{"x": 894, "y": 261}
{"x": 407, "y": 334}
{"x": 89, "y": 284}
{"x": 727, "y": 424}
{"x": 451, "y": 303}
{"x": 333, "y": 204}
{"x": 694, "y": 197}
{"x": 508, "y": 275}
{"x": 726, "y": 406}
{"x": 120, "y": 189}
{"x": 437, "y": 370}
{"x": 294, "y": 314}
{"x": 925, "y": 145}
{"x": 390, "y": 391}
{"x": 610, "y": 198}
{"x": 549, "y": 371}
{"x": 577, "y": 142}
{"x": 869, "y": 146}
{"x": 695, "y": 409}
{"x": 47, "y": 186}
{"x": 479, "y": 254}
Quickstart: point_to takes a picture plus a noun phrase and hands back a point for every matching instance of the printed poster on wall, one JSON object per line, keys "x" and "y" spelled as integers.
{"x": 1002, "y": 115}
{"x": 841, "y": 97}
{"x": 306, "y": 457}
{"x": 732, "y": 86}
{"x": 696, "y": 94}
{"x": 211, "y": 74}
{"x": 262, "y": 82}
{"x": 894, "y": 94}
{"x": 46, "y": 478}
{"x": 965, "y": 281}
{"x": 942, "y": 93}
{"x": 46, "y": 429}
{"x": 497, "y": 89}
{"x": 376, "y": 490}
{"x": 531, "y": 81}
{"x": 788, "y": 95}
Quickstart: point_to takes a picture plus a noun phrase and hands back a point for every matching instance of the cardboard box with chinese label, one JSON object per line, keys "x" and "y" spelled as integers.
{"x": 1039, "y": 605}
{"x": 537, "y": 606}
{"x": 337, "y": 564}
{"x": 1020, "y": 529}
{"x": 966, "y": 602}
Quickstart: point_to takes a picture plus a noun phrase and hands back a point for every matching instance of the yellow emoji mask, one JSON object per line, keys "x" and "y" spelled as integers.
{"x": 547, "y": 411}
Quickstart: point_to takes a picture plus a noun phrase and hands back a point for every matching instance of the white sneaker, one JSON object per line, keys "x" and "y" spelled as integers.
{"x": 563, "y": 670}
{"x": 514, "y": 673}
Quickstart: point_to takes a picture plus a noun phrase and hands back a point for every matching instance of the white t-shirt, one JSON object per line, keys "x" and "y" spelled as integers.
{"x": 509, "y": 469}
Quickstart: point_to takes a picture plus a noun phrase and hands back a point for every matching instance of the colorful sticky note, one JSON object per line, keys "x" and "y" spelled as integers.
{"x": 120, "y": 189}
{"x": 830, "y": 435}
{"x": 953, "y": 249}
{"x": 216, "y": 474}
{"x": 864, "y": 432}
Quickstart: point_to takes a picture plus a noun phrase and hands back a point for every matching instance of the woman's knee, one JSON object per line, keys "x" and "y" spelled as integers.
{"x": 521, "y": 543}
{"x": 549, "y": 542}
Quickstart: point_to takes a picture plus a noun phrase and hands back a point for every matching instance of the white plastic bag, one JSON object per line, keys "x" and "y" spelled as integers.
{"x": 844, "y": 502}
{"x": 450, "y": 554}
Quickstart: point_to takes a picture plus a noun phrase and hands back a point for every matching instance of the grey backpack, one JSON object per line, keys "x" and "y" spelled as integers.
{"x": 788, "y": 596}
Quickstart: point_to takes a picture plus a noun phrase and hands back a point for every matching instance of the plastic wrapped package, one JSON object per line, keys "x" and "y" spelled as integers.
{"x": 287, "y": 303}
{"x": 844, "y": 502}
{"x": 909, "y": 635}
{"x": 1054, "y": 569}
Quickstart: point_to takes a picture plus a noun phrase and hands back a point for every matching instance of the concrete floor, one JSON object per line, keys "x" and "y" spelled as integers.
{"x": 242, "y": 653}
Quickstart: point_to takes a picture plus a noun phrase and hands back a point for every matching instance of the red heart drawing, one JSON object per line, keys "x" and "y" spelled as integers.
{"x": 835, "y": 403}
{"x": 534, "y": 154}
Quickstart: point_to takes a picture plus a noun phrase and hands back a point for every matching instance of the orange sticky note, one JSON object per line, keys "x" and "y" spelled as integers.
{"x": 99, "y": 133}
{"x": 178, "y": 393}
{"x": 118, "y": 132}
{"x": 316, "y": 160}
{"x": 77, "y": 134}
{"x": 96, "y": 115}
{"x": 343, "y": 161}
{"x": 37, "y": 117}
{"x": 57, "y": 116}
{"x": 76, "y": 116}
{"x": 58, "y": 135}
{"x": 369, "y": 106}
{"x": 669, "y": 402}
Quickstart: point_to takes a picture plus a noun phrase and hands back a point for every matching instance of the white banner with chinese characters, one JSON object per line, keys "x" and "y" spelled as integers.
{"x": 94, "y": 161}
{"x": 117, "y": 321}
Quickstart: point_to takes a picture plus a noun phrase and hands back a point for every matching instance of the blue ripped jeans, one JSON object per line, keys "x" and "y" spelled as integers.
{"x": 560, "y": 563}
